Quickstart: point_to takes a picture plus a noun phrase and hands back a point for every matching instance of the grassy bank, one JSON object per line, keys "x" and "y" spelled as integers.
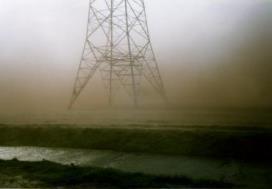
{"x": 48, "y": 174}
{"x": 233, "y": 143}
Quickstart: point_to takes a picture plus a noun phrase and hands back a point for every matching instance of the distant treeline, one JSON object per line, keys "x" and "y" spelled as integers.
{"x": 251, "y": 144}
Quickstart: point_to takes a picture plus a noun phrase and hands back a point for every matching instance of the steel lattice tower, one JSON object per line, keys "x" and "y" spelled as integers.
{"x": 118, "y": 46}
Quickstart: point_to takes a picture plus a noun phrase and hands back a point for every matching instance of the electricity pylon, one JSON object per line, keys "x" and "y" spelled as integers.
{"x": 118, "y": 46}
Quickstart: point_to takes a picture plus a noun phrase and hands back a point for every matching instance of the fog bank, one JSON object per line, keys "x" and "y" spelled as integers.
{"x": 211, "y": 53}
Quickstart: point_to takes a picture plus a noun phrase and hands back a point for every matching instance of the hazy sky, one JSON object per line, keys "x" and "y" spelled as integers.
{"x": 211, "y": 52}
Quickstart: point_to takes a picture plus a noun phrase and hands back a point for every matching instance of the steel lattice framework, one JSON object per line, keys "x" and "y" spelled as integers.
{"x": 118, "y": 46}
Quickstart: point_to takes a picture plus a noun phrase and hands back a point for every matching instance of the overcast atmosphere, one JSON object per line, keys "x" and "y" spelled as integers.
{"x": 211, "y": 53}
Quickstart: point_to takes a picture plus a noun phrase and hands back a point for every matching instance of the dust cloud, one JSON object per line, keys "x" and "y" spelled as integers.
{"x": 211, "y": 53}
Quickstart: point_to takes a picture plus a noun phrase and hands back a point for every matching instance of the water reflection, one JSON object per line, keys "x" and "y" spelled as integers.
{"x": 193, "y": 167}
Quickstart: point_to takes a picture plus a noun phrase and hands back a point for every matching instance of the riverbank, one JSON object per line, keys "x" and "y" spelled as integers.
{"x": 251, "y": 144}
{"x": 14, "y": 173}
{"x": 251, "y": 175}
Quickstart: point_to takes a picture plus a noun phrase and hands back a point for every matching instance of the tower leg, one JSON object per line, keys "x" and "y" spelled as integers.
{"x": 118, "y": 45}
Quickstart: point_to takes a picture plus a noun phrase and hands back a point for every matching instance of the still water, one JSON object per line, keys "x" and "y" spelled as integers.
{"x": 193, "y": 167}
{"x": 254, "y": 175}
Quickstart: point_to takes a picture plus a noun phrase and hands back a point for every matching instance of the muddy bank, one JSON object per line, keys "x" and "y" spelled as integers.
{"x": 49, "y": 174}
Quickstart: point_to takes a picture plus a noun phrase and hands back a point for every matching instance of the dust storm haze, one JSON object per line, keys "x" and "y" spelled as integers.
{"x": 211, "y": 53}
